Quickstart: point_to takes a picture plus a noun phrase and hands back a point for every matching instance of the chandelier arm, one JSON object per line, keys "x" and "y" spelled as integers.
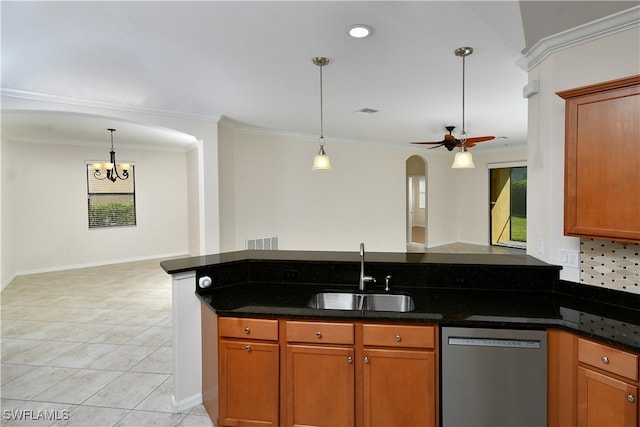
{"x": 98, "y": 175}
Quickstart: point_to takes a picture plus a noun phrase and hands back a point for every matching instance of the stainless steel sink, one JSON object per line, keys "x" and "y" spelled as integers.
{"x": 358, "y": 301}
{"x": 337, "y": 301}
{"x": 389, "y": 302}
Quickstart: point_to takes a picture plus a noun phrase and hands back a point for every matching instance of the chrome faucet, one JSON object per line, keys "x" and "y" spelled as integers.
{"x": 363, "y": 279}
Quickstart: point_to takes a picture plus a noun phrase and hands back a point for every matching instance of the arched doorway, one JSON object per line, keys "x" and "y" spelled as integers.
{"x": 416, "y": 203}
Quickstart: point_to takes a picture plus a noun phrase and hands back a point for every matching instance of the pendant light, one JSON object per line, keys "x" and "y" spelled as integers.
{"x": 321, "y": 160}
{"x": 463, "y": 158}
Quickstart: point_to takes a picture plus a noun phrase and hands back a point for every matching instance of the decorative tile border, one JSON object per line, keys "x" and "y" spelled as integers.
{"x": 613, "y": 265}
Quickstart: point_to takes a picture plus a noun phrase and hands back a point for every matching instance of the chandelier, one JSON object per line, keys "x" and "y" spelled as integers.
{"x": 109, "y": 170}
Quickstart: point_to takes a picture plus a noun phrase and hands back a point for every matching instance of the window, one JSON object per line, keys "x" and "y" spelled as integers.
{"x": 508, "y": 205}
{"x": 111, "y": 204}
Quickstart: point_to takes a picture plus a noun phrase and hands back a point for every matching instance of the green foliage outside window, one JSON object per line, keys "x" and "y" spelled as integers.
{"x": 112, "y": 214}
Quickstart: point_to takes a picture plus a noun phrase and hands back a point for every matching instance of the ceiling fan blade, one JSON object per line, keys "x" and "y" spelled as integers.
{"x": 479, "y": 139}
{"x": 439, "y": 142}
{"x": 437, "y": 146}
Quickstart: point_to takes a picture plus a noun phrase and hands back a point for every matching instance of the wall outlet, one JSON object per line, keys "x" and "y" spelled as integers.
{"x": 569, "y": 258}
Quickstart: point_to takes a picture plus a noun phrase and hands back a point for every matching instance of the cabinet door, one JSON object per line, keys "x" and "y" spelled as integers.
{"x": 602, "y": 160}
{"x": 399, "y": 388}
{"x": 605, "y": 401}
{"x": 320, "y": 386}
{"x": 249, "y": 383}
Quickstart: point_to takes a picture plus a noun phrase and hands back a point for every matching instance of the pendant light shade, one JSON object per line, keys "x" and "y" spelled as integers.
{"x": 463, "y": 160}
{"x": 321, "y": 161}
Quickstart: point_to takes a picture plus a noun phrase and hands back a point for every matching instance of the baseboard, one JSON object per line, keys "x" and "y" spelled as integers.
{"x": 185, "y": 405}
{"x": 6, "y": 282}
{"x": 99, "y": 263}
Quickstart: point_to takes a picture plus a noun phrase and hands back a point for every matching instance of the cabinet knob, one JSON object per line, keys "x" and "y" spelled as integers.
{"x": 318, "y": 334}
{"x": 366, "y": 360}
{"x": 349, "y": 359}
{"x": 630, "y": 398}
{"x": 247, "y": 347}
{"x": 247, "y": 330}
{"x": 398, "y": 338}
{"x": 604, "y": 359}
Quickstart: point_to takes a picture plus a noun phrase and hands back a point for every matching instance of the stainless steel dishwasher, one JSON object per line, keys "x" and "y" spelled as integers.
{"x": 494, "y": 377}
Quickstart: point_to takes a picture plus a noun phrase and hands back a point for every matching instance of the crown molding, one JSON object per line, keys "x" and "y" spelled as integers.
{"x": 235, "y": 126}
{"x": 585, "y": 33}
{"x": 114, "y": 106}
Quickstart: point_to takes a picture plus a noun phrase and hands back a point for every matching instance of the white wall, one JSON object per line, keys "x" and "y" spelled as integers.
{"x": 268, "y": 189}
{"x": 47, "y": 194}
{"x": 611, "y": 57}
{"x": 173, "y": 218}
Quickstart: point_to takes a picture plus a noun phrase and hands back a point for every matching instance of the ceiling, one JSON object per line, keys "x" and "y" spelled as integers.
{"x": 251, "y": 62}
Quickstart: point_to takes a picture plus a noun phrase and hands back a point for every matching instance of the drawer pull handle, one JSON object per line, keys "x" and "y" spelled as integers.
{"x": 247, "y": 347}
{"x": 366, "y": 360}
{"x": 349, "y": 359}
{"x": 318, "y": 334}
{"x": 247, "y": 330}
{"x": 604, "y": 359}
{"x": 398, "y": 338}
{"x": 630, "y": 398}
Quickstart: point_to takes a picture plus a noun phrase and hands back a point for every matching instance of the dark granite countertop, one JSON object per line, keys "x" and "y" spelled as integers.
{"x": 194, "y": 263}
{"x": 474, "y": 290}
{"x": 564, "y": 307}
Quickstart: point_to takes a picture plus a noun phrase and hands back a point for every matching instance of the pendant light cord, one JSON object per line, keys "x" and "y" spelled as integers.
{"x": 463, "y": 134}
{"x": 321, "y": 112}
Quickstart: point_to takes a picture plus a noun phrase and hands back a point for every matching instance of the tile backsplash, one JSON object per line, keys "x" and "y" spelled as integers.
{"x": 613, "y": 265}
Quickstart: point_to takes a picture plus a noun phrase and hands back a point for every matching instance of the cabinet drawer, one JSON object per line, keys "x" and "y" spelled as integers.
{"x": 398, "y": 336}
{"x": 320, "y": 332}
{"x": 609, "y": 359}
{"x": 257, "y": 329}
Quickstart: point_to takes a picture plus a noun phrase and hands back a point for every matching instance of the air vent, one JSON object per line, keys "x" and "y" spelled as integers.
{"x": 367, "y": 111}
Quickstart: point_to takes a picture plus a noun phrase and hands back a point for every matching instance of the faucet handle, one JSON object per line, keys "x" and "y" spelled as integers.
{"x": 386, "y": 283}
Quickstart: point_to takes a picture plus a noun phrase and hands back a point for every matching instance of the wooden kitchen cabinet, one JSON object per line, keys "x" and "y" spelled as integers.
{"x": 591, "y": 384}
{"x": 607, "y": 386}
{"x": 342, "y": 374}
{"x": 314, "y": 373}
{"x": 605, "y": 401}
{"x": 248, "y": 372}
{"x": 399, "y": 375}
{"x": 320, "y": 374}
{"x": 602, "y": 160}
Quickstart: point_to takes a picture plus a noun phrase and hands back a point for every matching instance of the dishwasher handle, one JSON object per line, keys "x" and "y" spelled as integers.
{"x": 494, "y": 342}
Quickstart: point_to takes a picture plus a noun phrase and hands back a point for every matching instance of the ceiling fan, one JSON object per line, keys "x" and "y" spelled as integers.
{"x": 450, "y": 142}
{"x": 463, "y": 158}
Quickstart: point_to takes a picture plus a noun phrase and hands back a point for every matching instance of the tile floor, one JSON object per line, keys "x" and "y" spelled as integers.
{"x": 90, "y": 347}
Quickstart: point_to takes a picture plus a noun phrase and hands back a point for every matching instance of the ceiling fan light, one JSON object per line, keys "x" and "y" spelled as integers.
{"x": 321, "y": 161}
{"x": 463, "y": 160}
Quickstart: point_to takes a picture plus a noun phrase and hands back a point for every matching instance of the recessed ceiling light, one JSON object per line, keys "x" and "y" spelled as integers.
{"x": 359, "y": 31}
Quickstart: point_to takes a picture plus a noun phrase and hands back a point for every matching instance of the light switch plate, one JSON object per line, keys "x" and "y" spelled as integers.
{"x": 569, "y": 258}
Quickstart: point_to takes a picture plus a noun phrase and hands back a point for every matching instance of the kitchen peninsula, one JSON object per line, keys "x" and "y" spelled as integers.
{"x": 464, "y": 290}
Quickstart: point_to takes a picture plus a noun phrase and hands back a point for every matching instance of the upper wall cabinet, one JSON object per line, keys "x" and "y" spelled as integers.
{"x": 602, "y": 160}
